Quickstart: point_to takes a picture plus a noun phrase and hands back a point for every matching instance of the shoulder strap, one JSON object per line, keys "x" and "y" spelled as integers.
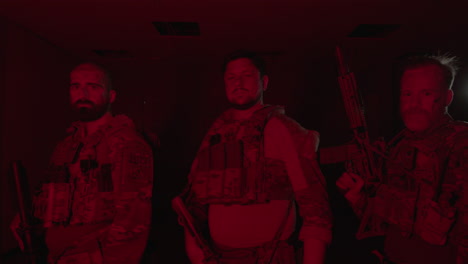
{"x": 265, "y": 115}
{"x": 279, "y": 232}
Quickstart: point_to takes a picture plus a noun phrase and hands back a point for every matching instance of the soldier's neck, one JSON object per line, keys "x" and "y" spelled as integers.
{"x": 246, "y": 113}
{"x": 93, "y": 126}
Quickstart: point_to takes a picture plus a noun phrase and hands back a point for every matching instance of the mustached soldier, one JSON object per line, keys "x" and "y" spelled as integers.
{"x": 421, "y": 205}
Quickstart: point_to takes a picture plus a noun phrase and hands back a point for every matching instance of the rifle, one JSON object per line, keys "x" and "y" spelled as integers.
{"x": 33, "y": 249}
{"x": 187, "y": 221}
{"x": 360, "y": 156}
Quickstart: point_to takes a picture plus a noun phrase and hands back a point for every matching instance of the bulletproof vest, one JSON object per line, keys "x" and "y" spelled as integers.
{"x": 78, "y": 186}
{"x": 234, "y": 170}
{"x": 414, "y": 175}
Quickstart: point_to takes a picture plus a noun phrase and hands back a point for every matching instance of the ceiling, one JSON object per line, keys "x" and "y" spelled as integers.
{"x": 272, "y": 26}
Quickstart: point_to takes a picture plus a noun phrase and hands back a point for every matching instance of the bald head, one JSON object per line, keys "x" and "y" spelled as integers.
{"x": 98, "y": 70}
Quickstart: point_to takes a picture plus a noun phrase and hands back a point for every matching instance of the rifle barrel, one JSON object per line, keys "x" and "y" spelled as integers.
{"x": 16, "y": 167}
{"x": 339, "y": 57}
{"x": 23, "y": 204}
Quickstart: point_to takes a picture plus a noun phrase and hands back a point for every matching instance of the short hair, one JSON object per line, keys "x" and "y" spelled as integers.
{"x": 105, "y": 71}
{"x": 446, "y": 62}
{"x": 254, "y": 57}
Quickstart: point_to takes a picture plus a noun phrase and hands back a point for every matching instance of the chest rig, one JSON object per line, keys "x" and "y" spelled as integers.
{"x": 415, "y": 173}
{"x": 232, "y": 168}
{"x": 78, "y": 186}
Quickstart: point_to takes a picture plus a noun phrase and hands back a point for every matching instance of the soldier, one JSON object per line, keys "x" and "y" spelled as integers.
{"x": 421, "y": 201}
{"x": 254, "y": 165}
{"x": 95, "y": 203}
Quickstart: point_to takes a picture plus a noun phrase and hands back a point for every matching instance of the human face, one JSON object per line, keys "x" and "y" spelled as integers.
{"x": 90, "y": 97}
{"x": 424, "y": 97}
{"x": 243, "y": 83}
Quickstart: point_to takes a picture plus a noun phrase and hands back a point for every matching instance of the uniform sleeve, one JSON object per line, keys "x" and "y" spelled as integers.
{"x": 297, "y": 148}
{"x": 132, "y": 175}
{"x": 455, "y": 193}
{"x": 198, "y": 210}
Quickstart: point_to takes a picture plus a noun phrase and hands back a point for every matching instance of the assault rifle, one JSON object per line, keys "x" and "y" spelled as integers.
{"x": 187, "y": 221}
{"x": 360, "y": 156}
{"x": 34, "y": 249}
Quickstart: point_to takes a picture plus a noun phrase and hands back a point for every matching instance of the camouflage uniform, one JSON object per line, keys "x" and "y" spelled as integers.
{"x": 96, "y": 200}
{"x": 232, "y": 173}
{"x": 421, "y": 205}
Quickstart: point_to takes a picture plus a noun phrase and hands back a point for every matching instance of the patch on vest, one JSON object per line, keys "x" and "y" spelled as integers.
{"x": 136, "y": 167}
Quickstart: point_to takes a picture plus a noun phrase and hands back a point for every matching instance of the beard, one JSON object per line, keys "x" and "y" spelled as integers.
{"x": 247, "y": 104}
{"x": 91, "y": 112}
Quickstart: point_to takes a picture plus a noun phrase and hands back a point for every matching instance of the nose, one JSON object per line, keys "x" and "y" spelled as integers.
{"x": 238, "y": 81}
{"x": 415, "y": 100}
{"x": 83, "y": 91}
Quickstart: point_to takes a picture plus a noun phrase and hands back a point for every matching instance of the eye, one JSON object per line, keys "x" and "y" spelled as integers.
{"x": 95, "y": 86}
{"x": 74, "y": 86}
{"x": 405, "y": 93}
{"x": 428, "y": 93}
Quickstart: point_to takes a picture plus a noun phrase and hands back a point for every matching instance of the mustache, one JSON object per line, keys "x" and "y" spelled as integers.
{"x": 240, "y": 89}
{"x": 415, "y": 111}
{"x": 84, "y": 101}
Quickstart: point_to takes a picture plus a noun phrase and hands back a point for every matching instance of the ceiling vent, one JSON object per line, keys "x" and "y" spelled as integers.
{"x": 177, "y": 28}
{"x": 114, "y": 54}
{"x": 373, "y": 30}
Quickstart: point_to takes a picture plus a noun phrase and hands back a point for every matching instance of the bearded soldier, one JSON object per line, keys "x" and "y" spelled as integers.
{"x": 95, "y": 202}
{"x": 420, "y": 204}
{"x": 254, "y": 166}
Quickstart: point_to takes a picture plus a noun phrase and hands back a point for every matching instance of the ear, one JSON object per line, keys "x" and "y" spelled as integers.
{"x": 265, "y": 80}
{"x": 449, "y": 97}
{"x": 112, "y": 95}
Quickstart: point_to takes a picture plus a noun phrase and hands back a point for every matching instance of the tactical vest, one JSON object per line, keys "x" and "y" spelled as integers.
{"x": 415, "y": 172}
{"x": 79, "y": 187}
{"x": 232, "y": 170}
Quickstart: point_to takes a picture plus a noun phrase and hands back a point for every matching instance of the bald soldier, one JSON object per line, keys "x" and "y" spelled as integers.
{"x": 95, "y": 201}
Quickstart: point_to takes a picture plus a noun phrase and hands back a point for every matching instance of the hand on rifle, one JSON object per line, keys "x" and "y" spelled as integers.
{"x": 351, "y": 184}
{"x": 18, "y": 230}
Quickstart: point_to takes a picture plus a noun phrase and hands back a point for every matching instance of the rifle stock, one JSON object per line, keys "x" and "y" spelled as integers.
{"x": 33, "y": 248}
{"x": 188, "y": 222}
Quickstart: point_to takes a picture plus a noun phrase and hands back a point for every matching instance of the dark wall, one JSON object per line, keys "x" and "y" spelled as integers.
{"x": 4, "y": 194}
{"x": 33, "y": 106}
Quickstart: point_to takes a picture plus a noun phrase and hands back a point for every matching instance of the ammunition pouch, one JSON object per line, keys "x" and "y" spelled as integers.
{"x": 221, "y": 177}
{"x": 429, "y": 221}
{"x": 53, "y": 203}
{"x": 395, "y": 207}
{"x": 433, "y": 224}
